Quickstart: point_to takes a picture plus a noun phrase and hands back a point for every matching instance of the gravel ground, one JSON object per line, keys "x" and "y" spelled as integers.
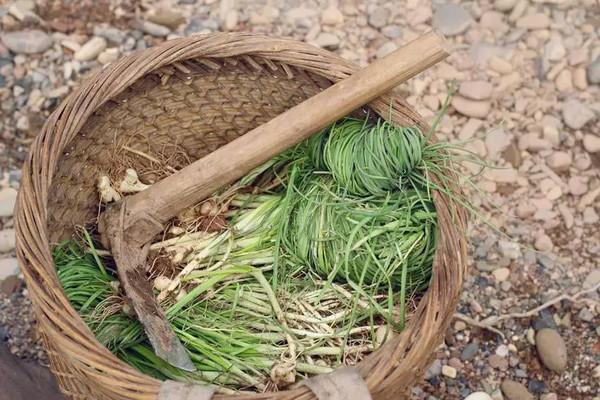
{"x": 528, "y": 75}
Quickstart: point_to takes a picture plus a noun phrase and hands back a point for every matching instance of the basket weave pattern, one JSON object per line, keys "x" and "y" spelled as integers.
{"x": 194, "y": 94}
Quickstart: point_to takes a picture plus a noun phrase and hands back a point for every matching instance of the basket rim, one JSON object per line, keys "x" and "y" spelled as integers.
{"x": 403, "y": 359}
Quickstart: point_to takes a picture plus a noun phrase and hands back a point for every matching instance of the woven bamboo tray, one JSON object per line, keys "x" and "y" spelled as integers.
{"x": 180, "y": 101}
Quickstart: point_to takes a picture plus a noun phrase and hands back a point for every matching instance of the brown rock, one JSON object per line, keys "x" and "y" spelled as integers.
{"x": 551, "y": 349}
{"x": 498, "y": 362}
{"x": 167, "y": 17}
{"x": 515, "y": 391}
{"x": 512, "y": 155}
{"x": 10, "y": 285}
{"x": 25, "y": 381}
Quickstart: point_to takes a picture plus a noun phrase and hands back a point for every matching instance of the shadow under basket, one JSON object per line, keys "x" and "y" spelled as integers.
{"x": 178, "y": 102}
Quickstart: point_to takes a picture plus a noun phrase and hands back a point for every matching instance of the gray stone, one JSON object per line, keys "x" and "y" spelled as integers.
{"x": 592, "y": 279}
{"x": 481, "y": 52}
{"x": 543, "y": 320}
{"x": 593, "y": 71}
{"x": 201, "y": 25}
{"x": 575, "y": 114}
{"x": 8, "y": 197}
{"x": 515, "y": 391}
{"x": 386, "y": 49}
{"x": 551, "y": 349}
{"x": 110, "y": 33}
{"x": 435, "y": 369}
{"x": 392, "y": 31}
{"x": 451, "y": 19}
{"x": 328, "y": 40}
{"x": 519, "y": 373}
{"x": 7, "y": 240}
{"x": 378, "y": 18}
{"x": 152, "y": 29}
{"x": 585, "y": 315}
{"x": 27, "y": 41}
{"x": 469, "y": 351}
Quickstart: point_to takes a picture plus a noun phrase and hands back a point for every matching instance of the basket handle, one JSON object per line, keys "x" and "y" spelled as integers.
{"x": 128, "y": 226}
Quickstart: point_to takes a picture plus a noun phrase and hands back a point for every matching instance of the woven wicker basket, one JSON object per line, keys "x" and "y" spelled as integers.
{"x": 197, "y": 93}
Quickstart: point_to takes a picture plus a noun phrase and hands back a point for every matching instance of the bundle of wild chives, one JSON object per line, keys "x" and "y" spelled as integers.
{"x": 336, "y": 234}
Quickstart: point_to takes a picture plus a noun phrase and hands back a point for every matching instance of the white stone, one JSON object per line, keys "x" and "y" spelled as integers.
{"x": 502, "y": 350}
{"x": 543, "y": 243}
{"x": 496, "y": 142}
{"x": 108, "y": 55}
{"x": 526, "y": 210}
{"x": 478, "y": 396}
{"x": 534, "y": 21}
{"x": 501, "y": 274}
{"x": 332, "y": 16}
{"x": 579, "y": 77}
{"x": 449, "y": 371}
{"x": 500, "y": 66}
{"x": 8, "y": 198}
{"x": 559, "y": 161}
{"x": 494, "y": 21}
{"x": 471, "y": 108}
{"x": 91, "y": 49}
{"x": 504, "y": 175}
{"x": 476, "y": 90}
{"x": 470, "y": 129}
{"x": 555, "y": 50}
{"x": 564, "y": 81}
{"x": 509, "y": 249}
{"x": 592, "y": 279}
{"x": 575, "y": 114}
{"x": 231, "y": 20}
{"x": 591, "y": 143}
{"x": 590, "y": 216}
{"x": 504, "y": 5}
{"x": 578, "y": 185}
{"x": 7, "y": 240}
{"x": 8, "y": 267}
{"x": 552, "y": 135}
